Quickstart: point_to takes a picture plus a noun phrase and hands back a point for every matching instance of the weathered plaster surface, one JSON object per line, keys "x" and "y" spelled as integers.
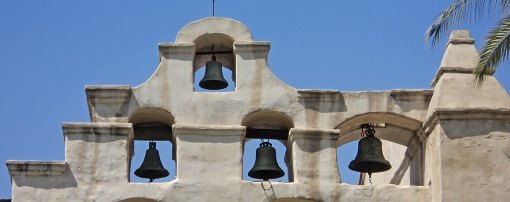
{"x": 466, "y": 152}
{"x": 475, "y": 157}
{"x": 450, "y": 143}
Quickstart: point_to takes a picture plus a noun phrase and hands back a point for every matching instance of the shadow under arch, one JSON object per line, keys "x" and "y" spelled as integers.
{"x": 152, "y": 124}
{"x": 392, "y": 127}
{"x": 267, "y": 123}
{"x": 223, "y": 50}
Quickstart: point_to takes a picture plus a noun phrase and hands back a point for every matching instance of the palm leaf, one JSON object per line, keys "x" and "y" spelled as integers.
{"x": 505, "y": 4}
{"x": 452, "y": 15}
{"x": 460, "y": 11}
{"x": 495, "y": 50}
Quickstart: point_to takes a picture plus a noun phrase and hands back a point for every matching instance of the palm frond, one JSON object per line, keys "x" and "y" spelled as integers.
{"x": 458, "y": 12}
{"x": 496, "y": 49}
{"x": 446, "y": 18}
{"x": 505, "y": 4}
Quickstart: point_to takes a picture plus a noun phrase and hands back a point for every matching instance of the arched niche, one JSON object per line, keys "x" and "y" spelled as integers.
{"x": 138, "y": 199}
{"x": 218, "y": 31}
{"x": 402, "y": 146}
{"x": 271, "y": 123}
{"x": 390, "y": 126}
{"x": 273, "y": 126}
{"x": 152, "y": 124}
{"x": 223, "y": 49}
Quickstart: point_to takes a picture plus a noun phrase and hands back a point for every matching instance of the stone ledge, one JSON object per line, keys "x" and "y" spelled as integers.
{"x": 309, "y": 95}
{"x": 107, "y": 95}
{"x": 461, "y": 41}
{"x": 319, "y": 91}
{"x": 108, "y": 91}
{"x": 444, "y": 70}
{"x": 314, "y": 133}
{"x": 108, "y": 87}
{"x": 208, "y": 130}
{"x": 97, "y": 128}
{"x": 259, "y": 46}
{"x": 343, "y": 192}
{"x": 176, "y": 48}
{"x": 252, "y": 191}
{"x": 411, "y": 95}
{"x": 465, "y": 114}
{"x": 460, "y": 37}
{"x": 36, "y": 168}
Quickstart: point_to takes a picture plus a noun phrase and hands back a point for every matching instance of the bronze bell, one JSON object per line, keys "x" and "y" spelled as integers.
{"x": 151, "y": 168}
{"x": 213, "y": 77}
{"x": 370, "y": 158}
{"x": 266, "y": 166}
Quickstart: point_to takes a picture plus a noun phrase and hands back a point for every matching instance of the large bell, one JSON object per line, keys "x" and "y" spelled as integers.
{"x": 151, "y": 168}
{"x": 213, "y": 77}
{"x": 266, "y": 167}
{"x": 370, "y": 158}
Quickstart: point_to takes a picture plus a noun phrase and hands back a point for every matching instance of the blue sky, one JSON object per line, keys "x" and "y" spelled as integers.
{"x": 50, "y": 50}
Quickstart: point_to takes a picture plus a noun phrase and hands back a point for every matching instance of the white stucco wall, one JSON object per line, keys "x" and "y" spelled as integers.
{"x": 429, "y": 133}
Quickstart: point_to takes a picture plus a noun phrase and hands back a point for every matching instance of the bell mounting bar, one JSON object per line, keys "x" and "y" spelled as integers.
{"x": 213, "y": 53}
{"x": 277, "y": 134}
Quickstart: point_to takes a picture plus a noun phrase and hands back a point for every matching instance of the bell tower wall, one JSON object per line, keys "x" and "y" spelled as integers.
{"x": 468, "y": 144}
{"x": 449, "y": 143}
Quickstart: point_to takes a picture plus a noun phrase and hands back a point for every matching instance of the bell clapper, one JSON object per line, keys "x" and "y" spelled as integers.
{"x": 152, "y": 144}
{"x": 370, "y": 178}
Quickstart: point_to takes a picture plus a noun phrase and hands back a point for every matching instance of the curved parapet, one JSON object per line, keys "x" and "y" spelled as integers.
{"x": 214, "y": 25}
{"x": 218, "y": 31}
{"x": 171, "y": 88}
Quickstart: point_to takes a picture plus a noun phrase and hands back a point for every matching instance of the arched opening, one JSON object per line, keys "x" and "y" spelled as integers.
{"x": 138, "y": 199}
{"x": 345, "y": 154}
{"x": 300, "y": 199}
{"x": 267, "y": 125}
{"x": 221, "y": 47}
{"x": 401, "y": 146}
{"x": 152, "y": 125}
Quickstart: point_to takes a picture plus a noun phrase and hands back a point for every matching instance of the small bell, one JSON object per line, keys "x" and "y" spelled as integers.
{"x": 370, "y": 158}
{"x": 266, "y": 166}
{"x": 213, "y": 77}
{"x": 151, "y": 168}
